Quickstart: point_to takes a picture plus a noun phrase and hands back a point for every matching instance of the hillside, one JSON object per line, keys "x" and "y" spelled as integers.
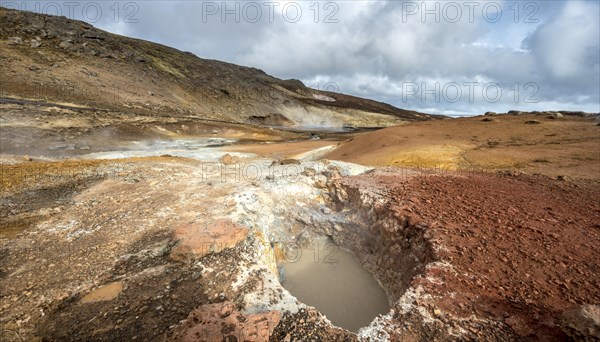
{"x": 55, "y": 59}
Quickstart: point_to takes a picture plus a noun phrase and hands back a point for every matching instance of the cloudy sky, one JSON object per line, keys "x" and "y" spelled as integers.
{"x": 440, "y": 57}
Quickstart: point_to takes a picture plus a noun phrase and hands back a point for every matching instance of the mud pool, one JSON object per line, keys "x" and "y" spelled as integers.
{"x": 334, "y": 282}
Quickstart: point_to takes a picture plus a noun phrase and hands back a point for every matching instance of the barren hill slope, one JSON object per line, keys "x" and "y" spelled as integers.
{"x": 60, "y": 60}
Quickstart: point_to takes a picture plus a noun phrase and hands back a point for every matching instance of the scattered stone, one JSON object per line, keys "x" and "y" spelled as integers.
{"x": 27, "y": 158}
{"x": 490, "y": 113}
{"x": 532, "y": 122}
{"x": 487, "y": 119}
{"x": 90, "y": 73}
{"x": 34, "y": 68}
{"x": 65, "y": 44}
{"x": 309, "y": 172}
{"x": 15, "y": 41}
{"x": 35, "y": 43}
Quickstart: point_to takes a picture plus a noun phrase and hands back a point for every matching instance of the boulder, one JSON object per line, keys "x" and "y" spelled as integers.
{"x": 198, "y": 240}
{"x": 290, "y": 162}
{"x": 286, "y": 162}
{"x": 582, "y": 323}
{"x": 223, "y": 322}
{"x": 140, "y": 59}
{"x": 228, "y": 159}
{"x": 554, "y": 115}
{"x": 65, "y": 44}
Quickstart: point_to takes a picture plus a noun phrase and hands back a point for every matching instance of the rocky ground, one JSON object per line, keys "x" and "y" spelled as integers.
{"x": 167, "y": 249}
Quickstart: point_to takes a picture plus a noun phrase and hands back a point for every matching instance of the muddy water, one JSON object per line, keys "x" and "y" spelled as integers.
{"x": 333, "y": 281}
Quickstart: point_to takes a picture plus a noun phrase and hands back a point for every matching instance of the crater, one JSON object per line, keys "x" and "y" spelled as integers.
{"x": 332, "y": 280}
{"x": 353, "y": 260}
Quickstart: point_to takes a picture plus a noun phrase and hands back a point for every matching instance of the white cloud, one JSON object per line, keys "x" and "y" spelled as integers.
{"x": 568, "y": 44}
{"x": 377, "y": 46}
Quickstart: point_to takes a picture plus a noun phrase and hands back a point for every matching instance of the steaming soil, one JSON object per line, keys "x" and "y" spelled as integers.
{"x": 333, "y": 281}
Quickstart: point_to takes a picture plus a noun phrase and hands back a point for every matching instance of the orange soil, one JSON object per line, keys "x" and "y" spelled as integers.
{"x": 569, "y": 146}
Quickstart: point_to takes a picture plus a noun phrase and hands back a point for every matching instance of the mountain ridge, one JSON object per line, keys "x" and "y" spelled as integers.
{"x": 62, "y": 60}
